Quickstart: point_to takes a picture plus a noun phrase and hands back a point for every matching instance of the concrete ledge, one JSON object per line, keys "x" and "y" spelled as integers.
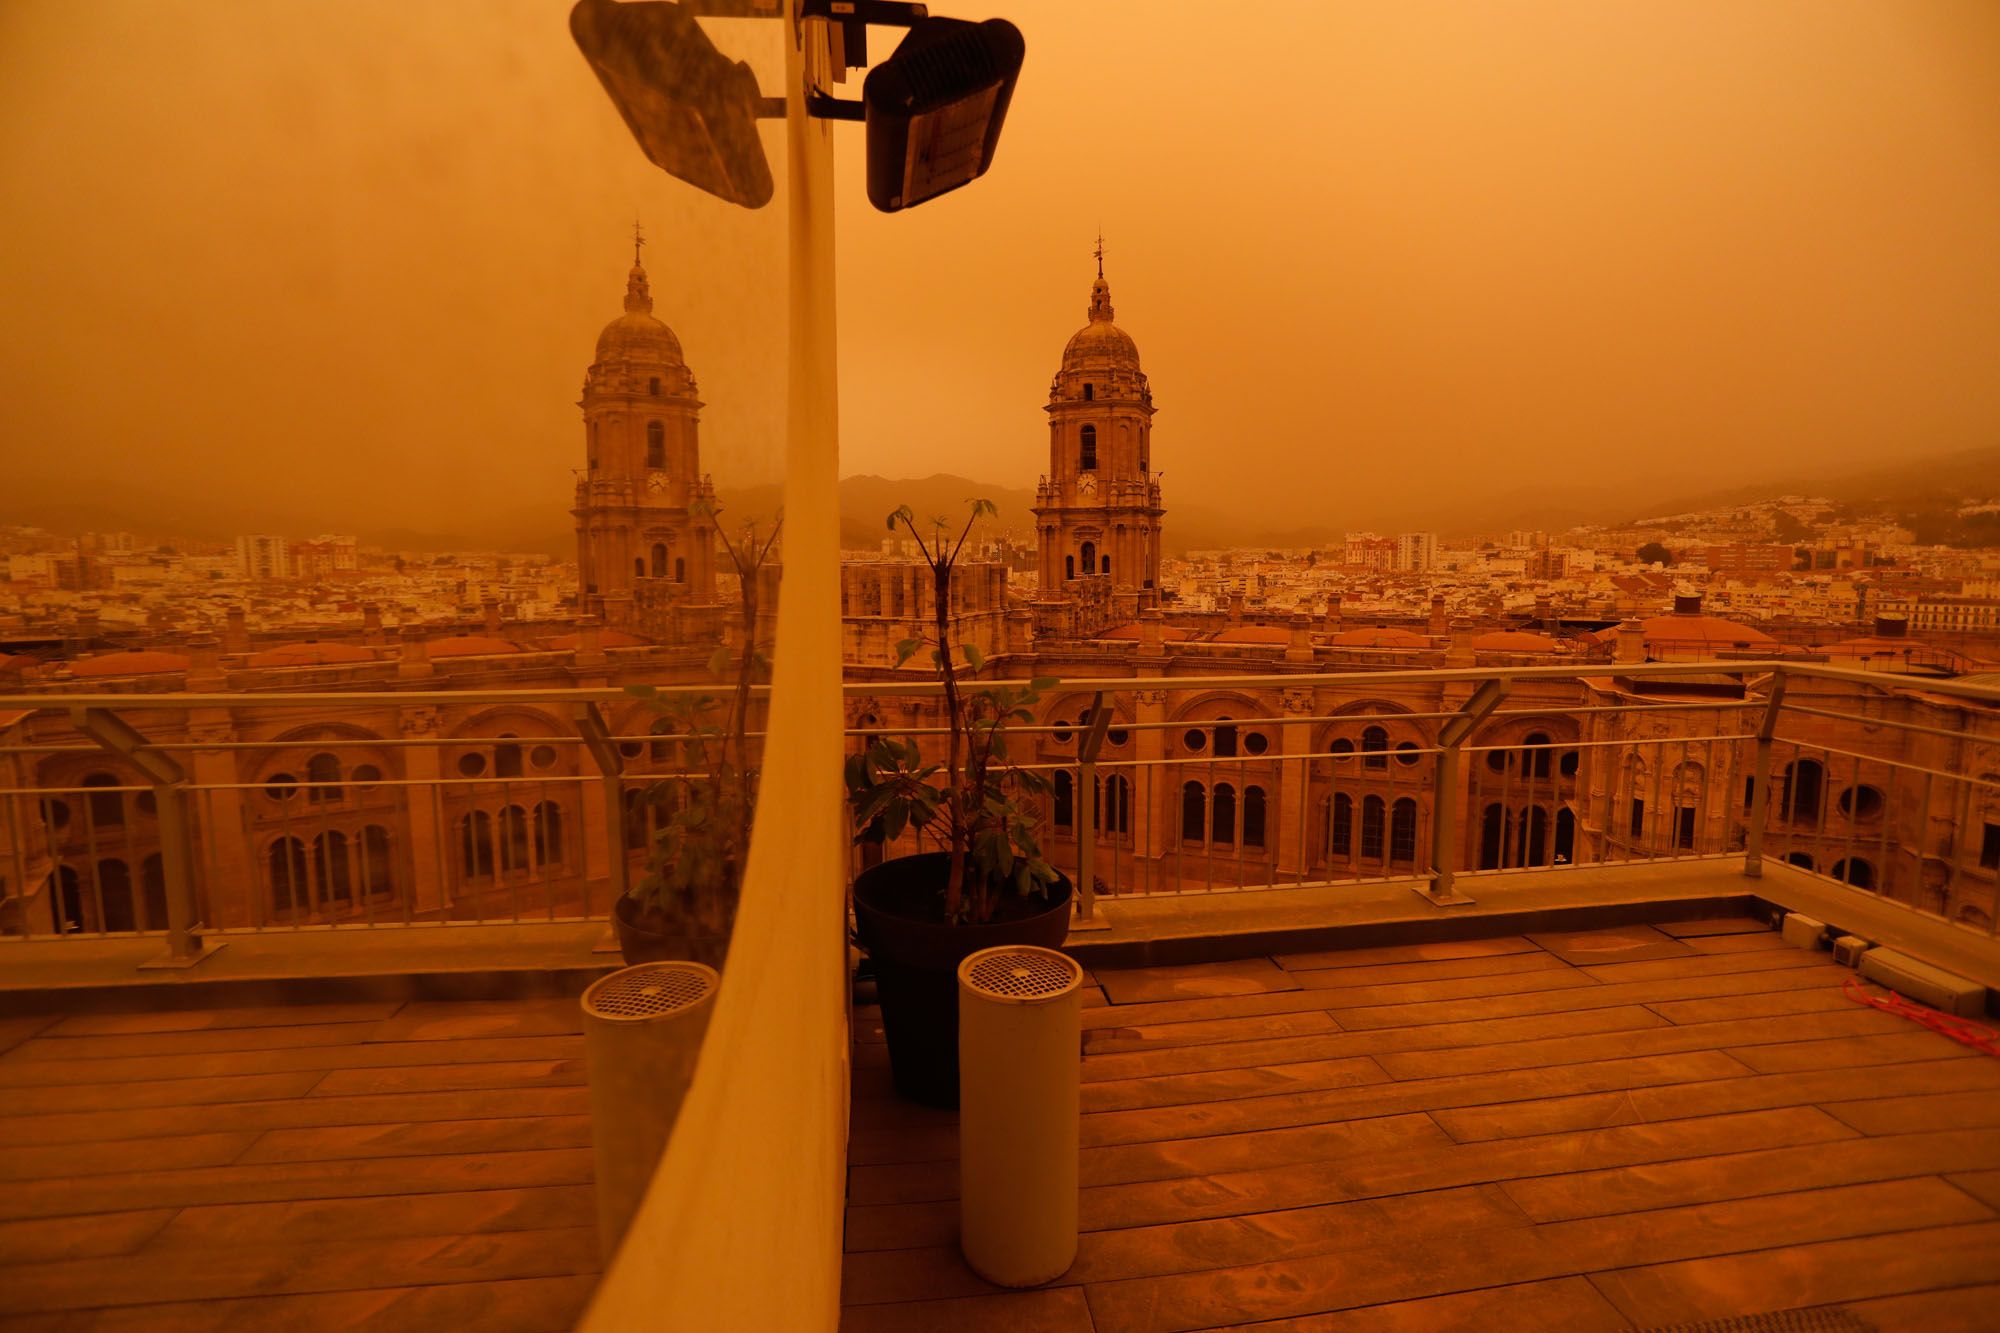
{"x": 1882, "y": 921}
{"x": 1155, "y": 930}
{"x": 322, "y": 965}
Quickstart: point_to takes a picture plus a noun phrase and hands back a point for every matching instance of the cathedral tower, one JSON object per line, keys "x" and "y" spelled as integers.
{"x": 1098, "y": 511}
{"x": 642, "y": 548}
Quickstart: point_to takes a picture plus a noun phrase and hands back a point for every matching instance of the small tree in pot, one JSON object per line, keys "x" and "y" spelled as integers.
{"x": 685, "y": 905}
{"x": 919, "y": 916}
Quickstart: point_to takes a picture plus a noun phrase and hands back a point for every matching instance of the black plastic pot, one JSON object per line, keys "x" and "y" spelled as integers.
{"x": 899, "y": 914}
{"x": 651, "y": 937}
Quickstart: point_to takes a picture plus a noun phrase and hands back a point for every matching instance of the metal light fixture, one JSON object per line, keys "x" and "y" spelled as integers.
{"x": 934, "y": 108}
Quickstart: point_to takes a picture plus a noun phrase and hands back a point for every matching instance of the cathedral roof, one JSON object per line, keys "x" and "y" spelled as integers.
{"x": 470, "y": 645}
{"x": 1101, "y": 342}
{"x": 606, "y": 638}
{"x": 145, "y": 663}
{"x": 636, "y": 335}
{"x": 309, "y": 654}
{"x": 1378, "y": 637}
{"x": 1515, "y": 641}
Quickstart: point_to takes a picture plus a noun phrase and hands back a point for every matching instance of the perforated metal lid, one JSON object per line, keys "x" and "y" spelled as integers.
{"x": 649, "y": 990}
{"x": 1021, "y": 973}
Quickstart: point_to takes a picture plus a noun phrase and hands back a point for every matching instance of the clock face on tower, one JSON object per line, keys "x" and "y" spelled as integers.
{"x": 657, "y": 482}
{"x": 1087, "y": 484}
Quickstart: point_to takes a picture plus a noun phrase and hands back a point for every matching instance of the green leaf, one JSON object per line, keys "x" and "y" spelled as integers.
{"x": 718, "y": 661}
{"x": 1042, "y": 684}
{"x": 906, "y": 649}
{"x": 973, "y": 657}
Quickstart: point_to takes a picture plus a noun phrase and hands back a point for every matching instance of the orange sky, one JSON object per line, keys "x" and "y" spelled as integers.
{"x": 344, "y": 261}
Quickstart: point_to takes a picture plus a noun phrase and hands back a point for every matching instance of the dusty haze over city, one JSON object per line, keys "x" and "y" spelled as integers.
{"x": 341, "y": 265}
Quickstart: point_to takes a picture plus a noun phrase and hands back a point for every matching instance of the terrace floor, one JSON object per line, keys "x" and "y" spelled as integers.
{"x": 388, "y": 1165}
{"x": 1640, "y": 1127}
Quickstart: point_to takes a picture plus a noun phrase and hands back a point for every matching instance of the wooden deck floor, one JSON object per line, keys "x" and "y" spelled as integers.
{"x": 381, "y": 1165}
{"x": 1638, "y": 1128}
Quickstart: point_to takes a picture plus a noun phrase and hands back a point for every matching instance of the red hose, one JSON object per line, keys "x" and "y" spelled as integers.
{"x": 1963, "y": 1030}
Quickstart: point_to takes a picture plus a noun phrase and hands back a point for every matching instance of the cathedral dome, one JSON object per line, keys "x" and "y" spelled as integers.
{"x": 636, "y": 335}
{"x": 1101, "y": 342}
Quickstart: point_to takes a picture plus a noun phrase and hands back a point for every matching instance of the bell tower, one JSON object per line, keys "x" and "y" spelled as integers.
{"x": 1098, "y": 511}
{"x": 643, "y": 545}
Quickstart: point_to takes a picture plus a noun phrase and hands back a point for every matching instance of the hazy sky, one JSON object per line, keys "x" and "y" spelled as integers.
{"x": 345, "y": 258}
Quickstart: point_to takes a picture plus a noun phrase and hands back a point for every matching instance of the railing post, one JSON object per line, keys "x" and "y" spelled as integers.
{"x": 1445, "y": 799}
{"x": 1086, "y": 808}
{"x": 611, "y": 765}
{"x": 185, "y": 946}
{"x": 1760, "y": 781}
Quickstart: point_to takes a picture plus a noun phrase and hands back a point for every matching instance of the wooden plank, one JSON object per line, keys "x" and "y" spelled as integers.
{"x": 17, "y": 1073}
{"x": 1386, "y": 1273}
{"x": 1789, "y": 1277}
{"x": 14, "y": 1031}
{"x": 1117, "y": 1164}
{"x": 1443, "y": 970}
{"x": 1850, "y": 1052}
{"x": 48, "y": 1239}
{"x": 198, "y": 1041}
{"x": 445, "y": 1078}
{"x": 1708, "y": 965}
{"x": 1227, "y": 1084}
{"x": 1654, "y": 1041}
{"x": 291, "y": 1113}
{"x": 285, "y": 1270}
{"x": 1981, "y": 1185}
{"x": 1203, "y": 1031}
{"x": 420, "y": 1139}
{"x": 1712, "y": 925}
{"x": 1058, "y": 1310}
{"x": 1568, "y": 1303}
{"x": 1768, "y": 1004}
{"x": 94, "y": 1159}
{"x": 936, "y": 1272}
{"x": 1405, "y": 953}
{"x": 1823, "y": 1088}
{"x": 64, "y": 1098}
{"x": 1157, "y": 1124}
{"x": 311, "y": 1221}
{"x": 1591, "y": 997}
{"x": 457, "y": 1020}
{"x": 1338, "y": 995}
{"x": 1141, "y": 1066}
{"x": 1248, "y": 976}
{"x": 1743, "y": 1171}
{"x": 265, "y": 1182}
{"x": 1193, "y": 1011}
{"x": 187, "y": 1020}
{"x": 1919, "y": 1112}
{"x": 521, "y": 1305}
{"x": 1618, "y": 944}
{"x": 1758, "y": 942}
{"x": 1957, "y": 1310}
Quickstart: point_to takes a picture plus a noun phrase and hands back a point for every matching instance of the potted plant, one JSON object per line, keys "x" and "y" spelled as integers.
{"x": 920, "y": 915}
{"x": 685, "y": 905}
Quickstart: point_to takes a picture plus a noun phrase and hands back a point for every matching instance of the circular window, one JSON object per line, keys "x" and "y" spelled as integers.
{"x": 1195, "y": 739}
{"x": 366, "y": 775}
{"x": 1341, "y": 746}
{"x": 472, "y": 763}
{"x": 631, "y": 749}
{"x": 1406, "y": 753}
{"x": 55, "y": 813}
{"x": 1117, "y": 735}
{"x": 148, "y": 803}
{"x": 1567, "y": 764}
{"x": 1861, "y": 802}
{"x": 280, "y": 786}
{"x": 543, "y": 756}
{"x": 1498, "y": 760}
{"x": 1256, "y": 743}
{"x": 1062, "y": 731}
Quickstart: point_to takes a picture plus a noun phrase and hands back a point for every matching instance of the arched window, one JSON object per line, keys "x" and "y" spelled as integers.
{"x": 378, "y": 874}
{"x": 548, "y": 833}
{"x": 323, "y": 778}
{"x": 114, "y": 885}
{"x": 1853, "y": 871}
{"x": 1403, "y": 832}
{"x": 1534, "y": 836}
{"x": 1253, "y": 816}
{"x": 1374, "y": 742}
{"x": 67, "y": 903}
{"x": 1340, "y": 826}
{"x": 639, "y": 566}
{"x": 1373, "y": 811}
{"x": 1801, "y": 795}
{"x": 1089, "y": 558}
{"x": 475, "y": 845}
{"x": 1535, "y": 754}
{"x": 1803, "y": 860}
{"x": 653, "y": 386}
{"x": 1117, "y": 804}
{"x": 1086, "y": 458}
{"x": 153, "y": 892}
{"x": 1222, "y": 815}
{"x": 1225, "y": 741}
{"x": 1194, "y": 811}
{"x": 680, "y": 569}
{"x": 1069, "y": 566}
{"x": 656, "y": 444}
{"x": 1089, "y": 393}
{"x": 659, "y": 560}
{"x": 507, "y": 757}
{"x": 1065, "y": 797}
{"x": 513, "y": 838}
{"x": 289, "y": 894}
{"x": 107, "y": 808}
{"x": 1104, "y": 564}
{"x": 1565, "y": 836}
{"x": 336, "y": 881}
{"x": 1493, "y": 824}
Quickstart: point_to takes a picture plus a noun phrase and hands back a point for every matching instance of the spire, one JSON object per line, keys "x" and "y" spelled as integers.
{"x": 638, "y": 293}
{"x": 1100, "y": 291}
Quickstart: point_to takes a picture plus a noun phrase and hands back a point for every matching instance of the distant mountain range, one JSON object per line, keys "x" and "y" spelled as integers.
{"x": 1905, "y": 487}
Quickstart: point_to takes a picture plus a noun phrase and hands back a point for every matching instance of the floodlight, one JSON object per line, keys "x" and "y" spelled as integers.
{"x": 692, "y": 109}
{"x": 934, "y": 108}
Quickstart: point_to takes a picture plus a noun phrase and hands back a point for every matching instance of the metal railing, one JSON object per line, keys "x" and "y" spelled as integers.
{"x": 195, "y": 815}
